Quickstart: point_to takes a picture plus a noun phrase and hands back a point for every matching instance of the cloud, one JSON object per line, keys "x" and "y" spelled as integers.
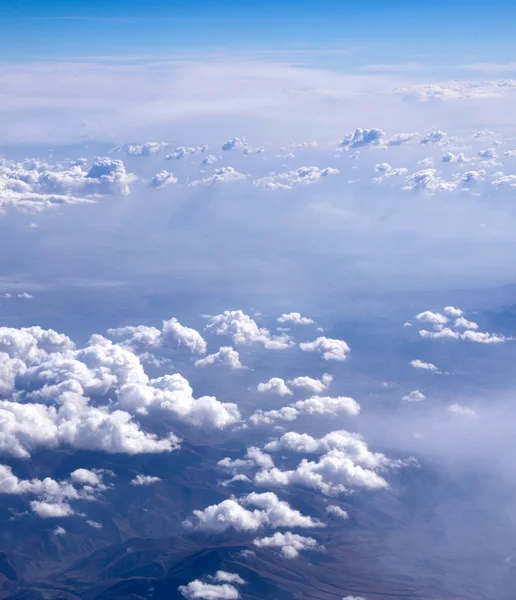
{"x": 254, "y": 458}
{"x": 221, "y": 175}
{"x": 163, "y": 179}
{"x": 244, "y": 330}
{"x": 198, "y": 590}
{"x": 352, "y": 445}
{"x": 290, "y": 544}
{"x": 337, "y": 512}
{"x": 295, "y": 178}
{"x": 452, "y": 311}
{"x": 267, "y": 510}
{"x": 183, "y": 151}
{"x": 330, "y": 349}
{"x": 224, "y": 576}
{"x": 332, "y": 474}
{"x": 184, "y": 336}
{"x": 225, "y": 356}
{"x": 400, "y": 138}
{"x": 326, "y": 405}
{"x": 434, "y": 137}
{"x": 53, "y": 497}
{"x": 363, "y": 137}
{"x": 295, "y": 318}
{"x": 456, "y": 90}
{"x": 315, "y": 386}
{"x": 275, "y": 385}
{"x": 426, "y": 366}
{"x": 144, "y": 480}
{"x": 236, "y": 143}
{"x": 414, "y": 396}
{"x": 431, "y": 317}
{"x": 147, "y": 149}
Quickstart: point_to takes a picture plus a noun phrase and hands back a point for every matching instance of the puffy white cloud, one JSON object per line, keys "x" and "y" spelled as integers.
{"x": 267, "y": 510}
{"x": 400, "y": 138}
{"x": 275, "y": 385}
{"x": 363, "y": 137}
{"x": 236, "y": 143}
{"x": 295, "y": 318}
{"x": 163, "y": 179}
{"x": 414, "y": 396}
{"x": 254, "y": 458}
{"x": 59, "y": 531}
{"x": 449, "y": 157}
{"x": 225, "y": 356}
{"x": 224, "y": 576}
{"x": 439, "y": 333}
{"x": 386, "y": 171}
{"x": 330, "y": 349}
{"x": 337, "y": 512}
{"x": 315, "y": 386}
{"x": 352, "y": 445}
{"x": 147, "y": 149}
{"x": 483, "y": 337}
{"x": 244, "y": 330}
{"x": 209, "y": 160}
{"x": 269, "y": 417}
{"x": 184, "y": 336}
{"x": 198, "y": 590}
{"x": 463, "y": 323}
{"x": 433, "y": 137}
{"x": 326, "y": 405}
{"x": 94, "y": 524}
{"x": 53, "y": 497}
{"x": 221, "y": 175}
{"x": 290, "y": 544}
{"x": 144, "y": 480}
{"x": 295, "y": 178}
{"x": 452, "y": 311}
{"x": 426, "y": 366}
{"x": 333, "y": 473}
{"x": 183, "y": 151}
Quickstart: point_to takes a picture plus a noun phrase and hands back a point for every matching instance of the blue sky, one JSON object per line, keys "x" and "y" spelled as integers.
{"x": 62, "y": 29}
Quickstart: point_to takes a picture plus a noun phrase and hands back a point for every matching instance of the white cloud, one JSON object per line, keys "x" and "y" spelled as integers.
{"x": 198, "y": 590}
{"x": 337, "y": 512}
{"x": 352, "y": 445}
{"x": 163, "y": 179}
{"x": 290, "y": 544}
{"x": 400, "y": 138}
{"x": 236, "y": 143}
{"x": 295, "y": 178}
{"x": 184, "y": 336}
{"x": 465, "y": 324}
{"x": 426, "y": 366}
{"x": 433, "y": 137}
{"x": 221, "y": 175}
{"x": 363, "y": 137}
{"x": 326, "y": 405}
{"x": 309, "y": 384}
{"x": 59, "y": 531}
{"x": 144, "y": 480}
{"x": 330, "y": 349}
{"x": 275, "y": 385}
{"x": 333, "y": 473}
{"x": 449, "y": 157}
{"x": 295, "y": 318}
{"x": 225, "y": 356}
{"x": 94, "y": 524}
{"x": 452, "y": 311}
{"x": 147, "y": 149}
{"x": 254, "y": 458}
{"x": 225, "y": 577}
{"x": 414, "y": 396}
{"x": 267, "y": 510}
{"x": 483, "y": 337}
{"x": 244, "y": 330}
{"x": 183, "y": 151}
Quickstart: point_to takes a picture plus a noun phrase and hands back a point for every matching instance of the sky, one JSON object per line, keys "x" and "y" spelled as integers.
{"x": 283, "y": 231}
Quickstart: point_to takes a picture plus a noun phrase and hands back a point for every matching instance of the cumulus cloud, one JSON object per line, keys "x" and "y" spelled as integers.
{"x": 183, "y": 151}
{"x": 309, "y": 384}
{"x": 290, "y": 544}
{"x": 144, "y": 480}
{"x": 275, "y": 385}
{"x": 432, "y": 317}
{"x": 295, "y": 318}
{"x": 199, "y": 590}
{"x": 225, "y": 356}
{"x": 236, "y": 143}
{"x": 266, "y": 510}
{"x": 414, "y": 396}
{"x": 400, "y": 138}
{"x": 363, "y": 137}
{"x": 337, "y": 512}
{"x": 244, "y": 330}
{"x": 184, "y": 336}
{"x": 452, "y": 311}
{"x": 433, "y": 137}
{"x": 330, "y": 349}
{"x": 146, "y": 149}
{"x": 295, "y": 178}
{"x": 426, "y": 366}
{"x": 221, "y": 175}
{"x": 163, "y": 179}
{"x": 464, "y": 411}
{"x": 53, "y": 498}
